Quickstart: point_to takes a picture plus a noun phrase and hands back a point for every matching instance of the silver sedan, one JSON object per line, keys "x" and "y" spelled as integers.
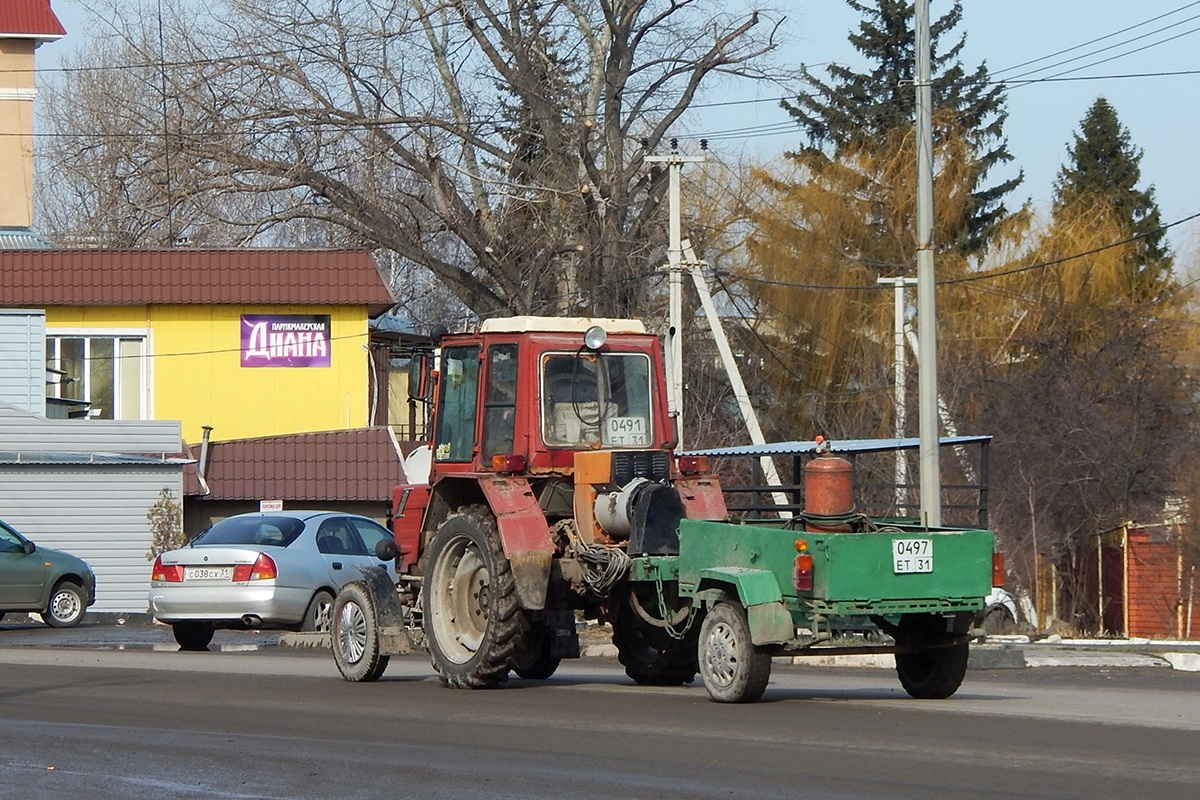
{"x": 272, "y": 570}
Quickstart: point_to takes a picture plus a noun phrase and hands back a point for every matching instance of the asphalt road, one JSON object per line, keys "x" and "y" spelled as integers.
{"x": 277, "y": 723}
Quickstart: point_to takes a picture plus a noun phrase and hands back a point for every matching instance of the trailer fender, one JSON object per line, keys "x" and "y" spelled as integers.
{"x": 389, "y": 616}
{"x": 524, "y": 535}
{"x": 758, "y": 592}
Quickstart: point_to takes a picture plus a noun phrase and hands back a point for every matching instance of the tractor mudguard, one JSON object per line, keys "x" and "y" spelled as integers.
{"x": 393, "y": 636}
{"x": 524, "y": 535}
{"x": 758, "y": 591}
{"x": 702, "y": 497}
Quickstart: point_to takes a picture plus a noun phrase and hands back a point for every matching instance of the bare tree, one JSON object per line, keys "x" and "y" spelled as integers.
{"x": 501, "y": 145}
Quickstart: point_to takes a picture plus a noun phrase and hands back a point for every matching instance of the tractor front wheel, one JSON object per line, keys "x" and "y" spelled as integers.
{"x": 472, "y": 618}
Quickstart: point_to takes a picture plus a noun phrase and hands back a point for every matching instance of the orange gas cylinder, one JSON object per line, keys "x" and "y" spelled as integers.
{"x": 828, "y": 490}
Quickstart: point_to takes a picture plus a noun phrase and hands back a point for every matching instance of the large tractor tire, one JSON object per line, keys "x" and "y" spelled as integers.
{"x": 732, "y": 668}
{"x": 354, "y": 634}
{"x": 472, "y": 617}
{"x": 651, "y": 655}
{"x": 932, "y": 665}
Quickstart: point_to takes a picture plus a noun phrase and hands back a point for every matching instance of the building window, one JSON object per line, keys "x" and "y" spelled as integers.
{"x": 106, "y": 371}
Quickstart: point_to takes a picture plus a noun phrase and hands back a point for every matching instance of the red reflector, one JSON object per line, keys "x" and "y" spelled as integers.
{"x": 802, "y": 573}
{"x": 263, "y": 569}
{"x": 693, "y": 465}
{"x": 504, "y": 463}
{"x": 167, "y": 573}
{"x": 997, "y": 569}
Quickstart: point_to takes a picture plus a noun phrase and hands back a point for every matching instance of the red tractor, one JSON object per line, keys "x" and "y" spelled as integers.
{"x": 551, "y": 465}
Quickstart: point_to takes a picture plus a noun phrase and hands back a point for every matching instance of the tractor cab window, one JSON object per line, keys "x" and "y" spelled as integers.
{"x": 500, "y": 400}
{"x": 458, "y": 390}
{"x": 596, "y": 399}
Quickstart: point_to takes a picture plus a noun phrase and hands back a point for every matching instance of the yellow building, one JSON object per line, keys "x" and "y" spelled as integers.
{"x": 249, "y": 342}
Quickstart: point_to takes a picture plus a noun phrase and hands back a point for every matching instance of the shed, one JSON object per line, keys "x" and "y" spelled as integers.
{"x": 85, "y": 487}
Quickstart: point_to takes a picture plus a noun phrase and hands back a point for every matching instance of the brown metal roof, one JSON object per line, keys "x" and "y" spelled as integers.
{"x": 29, "y": 18}
{"x": 359, "y": 464}
{"x": 44, "y": 278}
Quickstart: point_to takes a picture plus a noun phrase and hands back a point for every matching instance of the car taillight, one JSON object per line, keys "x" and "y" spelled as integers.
{"x": 693, "y": 465}
{"x": 997, "y": 569}
{"x": 263, "y": 569}
{"x": 167, "y": 573}
{"x": 802, "y": 569}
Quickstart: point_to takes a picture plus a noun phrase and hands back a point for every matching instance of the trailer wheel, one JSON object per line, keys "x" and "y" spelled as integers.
{"x": 472, "y": 618}
{"x": 650, "y": 654}
{"x": 931, "y": 669}
{"x": 354, "y": 635}
{"x": 732, "y": 668}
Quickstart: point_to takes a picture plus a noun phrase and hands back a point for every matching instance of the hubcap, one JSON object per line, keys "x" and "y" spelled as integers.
{"x": 352, "y": 632}
{"x": 720, "y": 655}
{"x": 65, "y": 606}
{"x": 463, "y": 596}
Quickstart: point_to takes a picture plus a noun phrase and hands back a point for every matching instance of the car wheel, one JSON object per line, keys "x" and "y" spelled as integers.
{"x": 732, "y": 668}
{"x": 320, "y": 609}
{"x": 472, "y": 618}
{"x": 355, "y": 635}
{"x": 192, "y": 635}
{"x": 66, "y": 606}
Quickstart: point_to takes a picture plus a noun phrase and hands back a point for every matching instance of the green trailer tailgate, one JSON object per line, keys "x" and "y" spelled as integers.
{"x": 900, "y": 571}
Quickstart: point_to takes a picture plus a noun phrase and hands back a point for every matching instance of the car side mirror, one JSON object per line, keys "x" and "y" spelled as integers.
{"x": 28, "y": 546}
{"x": 385, "y": 550}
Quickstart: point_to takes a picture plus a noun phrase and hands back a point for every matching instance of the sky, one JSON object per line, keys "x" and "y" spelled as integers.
{"x": 1161, "y": 111}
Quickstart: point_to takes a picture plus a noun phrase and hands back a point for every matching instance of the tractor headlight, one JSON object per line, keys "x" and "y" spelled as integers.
{"x": 594, "y": 337}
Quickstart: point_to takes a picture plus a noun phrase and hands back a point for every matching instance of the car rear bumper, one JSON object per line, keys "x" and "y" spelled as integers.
{"x": 274, "y": 605}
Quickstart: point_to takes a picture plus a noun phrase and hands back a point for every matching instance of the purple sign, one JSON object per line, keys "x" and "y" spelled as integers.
{"x": 285, "y": 340}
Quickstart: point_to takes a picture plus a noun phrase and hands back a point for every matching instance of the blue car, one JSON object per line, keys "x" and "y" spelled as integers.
{"x": 56, "y": 585}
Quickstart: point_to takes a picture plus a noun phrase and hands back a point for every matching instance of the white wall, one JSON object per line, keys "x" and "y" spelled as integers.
{"x": 95, "y": 512}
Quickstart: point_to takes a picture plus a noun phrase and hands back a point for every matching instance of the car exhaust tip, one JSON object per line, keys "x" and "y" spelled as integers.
{"x": 252, "y": 621}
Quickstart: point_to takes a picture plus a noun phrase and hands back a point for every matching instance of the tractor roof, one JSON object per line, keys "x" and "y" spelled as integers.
{"x": 560, "y": 325}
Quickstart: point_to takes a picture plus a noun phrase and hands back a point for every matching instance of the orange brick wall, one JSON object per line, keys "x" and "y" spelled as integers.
{"x": 1155, "y": 593}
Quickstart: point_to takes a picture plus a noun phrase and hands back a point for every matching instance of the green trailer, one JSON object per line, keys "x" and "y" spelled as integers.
{"x": 759, "y": 590}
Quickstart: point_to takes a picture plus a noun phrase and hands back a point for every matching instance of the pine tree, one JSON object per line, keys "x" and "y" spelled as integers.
{"x": 852, "y": 108}
{"x": 1104, "y": 171}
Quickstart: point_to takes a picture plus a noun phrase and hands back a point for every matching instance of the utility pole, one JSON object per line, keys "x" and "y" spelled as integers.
{"x": 674, "y": 346}
{"x": 901, "y": 372}
{"x": 927, "y": 382}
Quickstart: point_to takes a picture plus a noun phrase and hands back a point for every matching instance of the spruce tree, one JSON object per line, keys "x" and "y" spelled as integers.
{"x": 1105, "y": 169}
{"x": 851, "y": 109}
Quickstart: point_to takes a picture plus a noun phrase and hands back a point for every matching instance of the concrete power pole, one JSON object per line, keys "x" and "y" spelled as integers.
{"x": 927, "y": 382}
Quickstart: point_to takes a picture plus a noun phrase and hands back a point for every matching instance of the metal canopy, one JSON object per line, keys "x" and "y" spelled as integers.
{"x": 836, "y": 446}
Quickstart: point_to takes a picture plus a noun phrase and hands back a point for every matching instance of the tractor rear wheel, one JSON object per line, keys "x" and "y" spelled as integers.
{"x": 534, "y": 659}
{"x": 472, "y": 618}
{"x": 651, "y": 655}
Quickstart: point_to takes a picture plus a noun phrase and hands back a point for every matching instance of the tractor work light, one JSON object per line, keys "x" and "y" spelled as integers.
{"x": 594, "y": 338}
